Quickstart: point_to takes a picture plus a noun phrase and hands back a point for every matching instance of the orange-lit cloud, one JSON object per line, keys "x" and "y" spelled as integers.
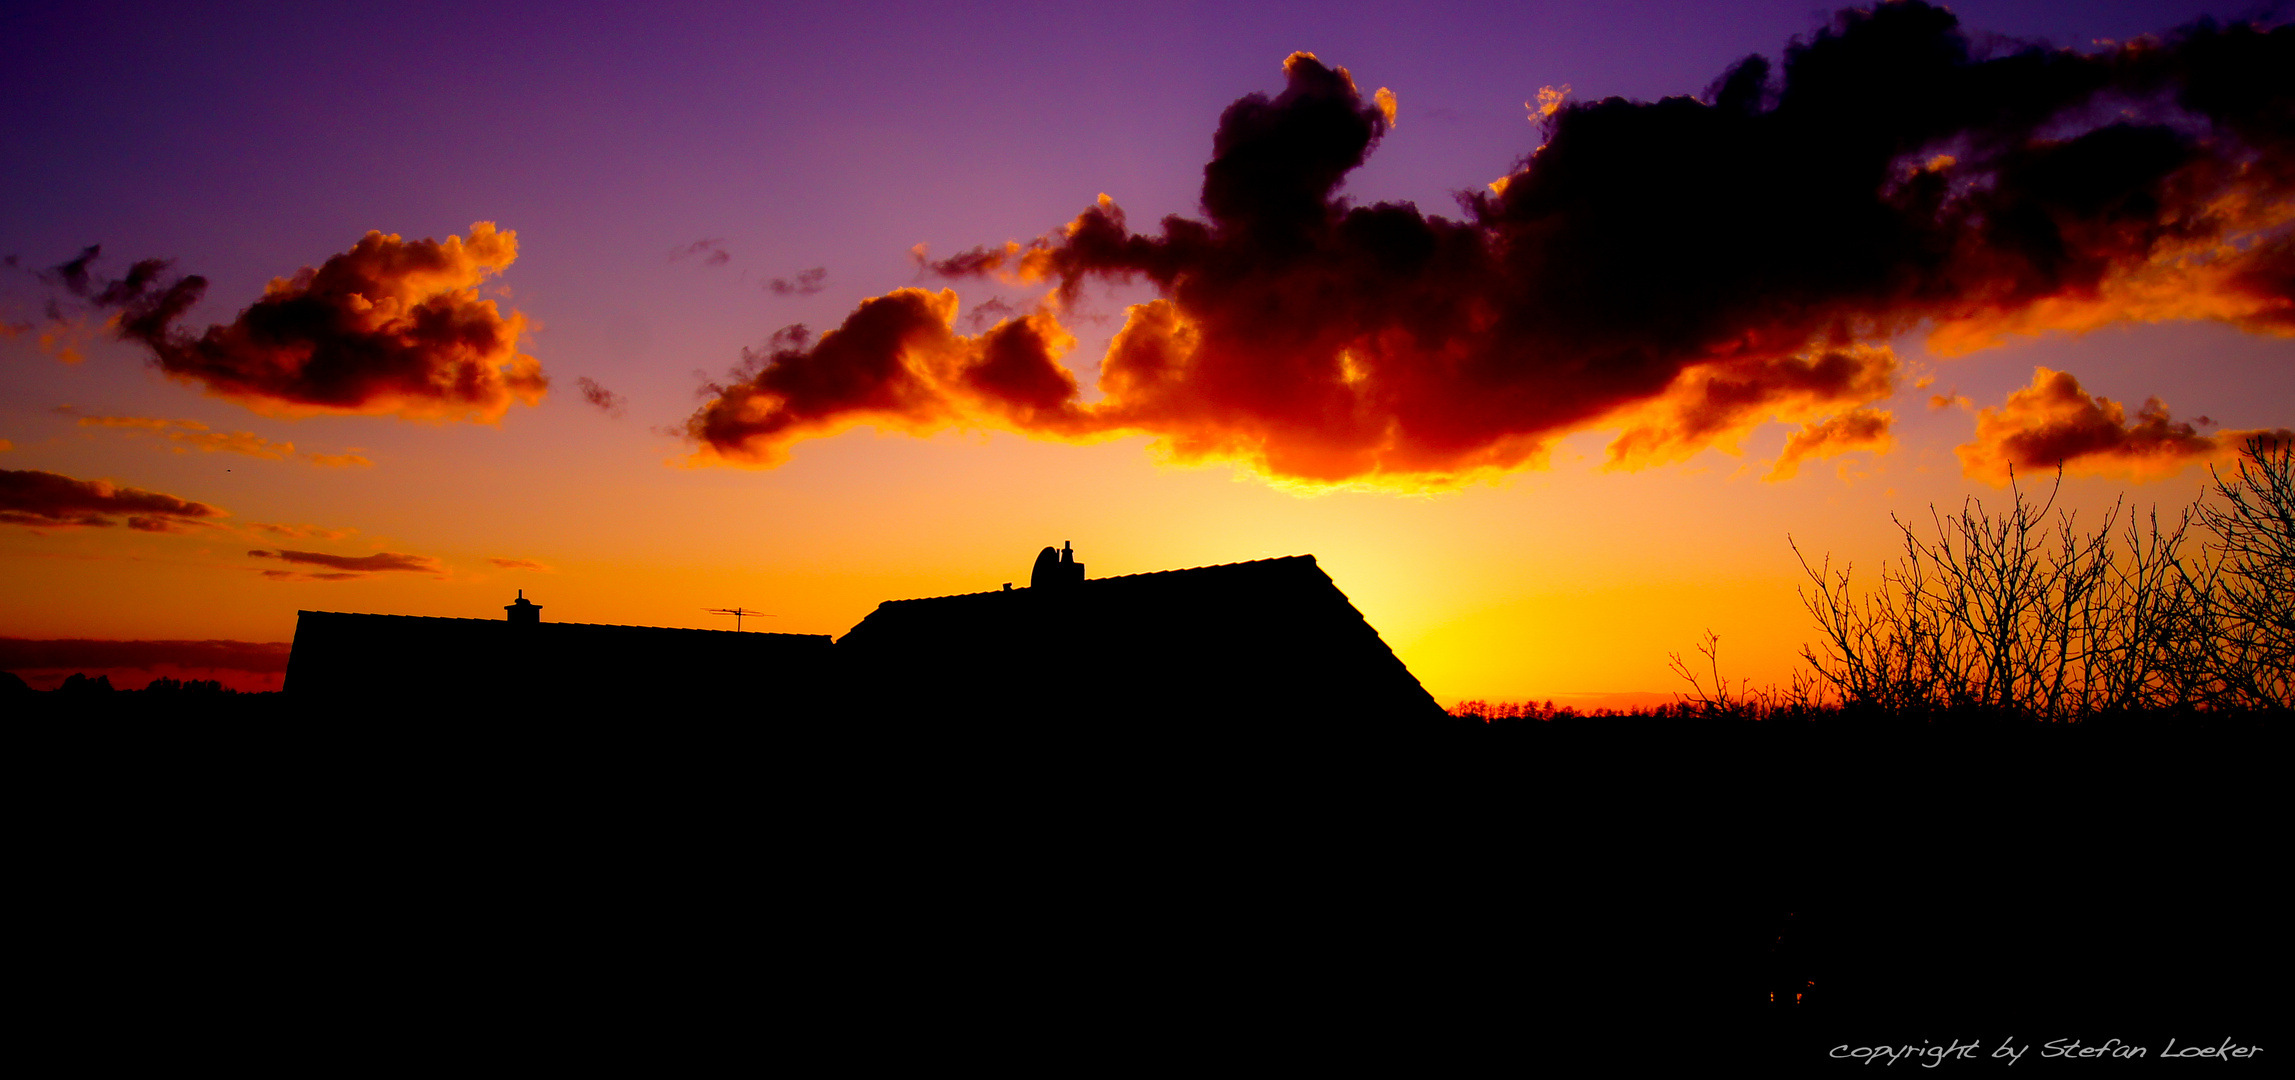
{"x": 386, "y": 328}
{"x": 47, "y": 500}
{"x": 896, "y": 362}
{"x": 2054, "y": 422}
{"x": 1719, "y": 403}
{"x": 1857, "y": 429}
{"x": 520, "y": 564}
{"x": 380, "y": 562}
{"x": 340, "y": 461}
{"x": 1686, "y": 269}
{"x": 141, "y": 423}
{"x": 236, "y": 442}
{"x": 191, "y": 435}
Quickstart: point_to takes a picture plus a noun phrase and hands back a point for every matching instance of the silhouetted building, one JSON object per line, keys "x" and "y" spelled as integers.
{"x": 1268, "y": 640}
{"x": 354, "y": 660}
{"x": 1259, "y": 641}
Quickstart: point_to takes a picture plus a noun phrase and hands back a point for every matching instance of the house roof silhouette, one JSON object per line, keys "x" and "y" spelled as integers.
{"x": 1274, "y": 638}
{"x": 1257, "y": 641}
{"x": 358, "y": 659}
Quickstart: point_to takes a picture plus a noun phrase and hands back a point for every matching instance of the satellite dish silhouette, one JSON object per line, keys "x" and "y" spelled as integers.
{"x": 737, "y": 613}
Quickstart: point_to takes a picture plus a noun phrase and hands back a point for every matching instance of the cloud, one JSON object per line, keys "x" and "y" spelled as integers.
{"x": 1857, "y": 429}
{"x": 987, "y": 312}
{"x": 1719, "y": 403}
{"x": 807, "y": 283}
{"x": 236, "y": 442}
{"x": 144, "y": 423}
{"x": 520, "y": 564}
{"x": 5, "y": 445}
{"x": 1640, "y": 268}
{"x": 1952, "y": 400}
{"x": 18, "y": 654}
{"x": 191, "y": 435}
{"x": 340, "y": 461}
{"x": 612, "y": 404}
{"x": 301, "y": 532}
{"x": 386, "y": 328}
{"x": 711, "y": 252}
{"x": 896, "y": 362}
{"x": 291, "y": 575}
{"x": 2054, "y": 422}
{"x": 38, "y": 499}
{"x": 346, "y": 567}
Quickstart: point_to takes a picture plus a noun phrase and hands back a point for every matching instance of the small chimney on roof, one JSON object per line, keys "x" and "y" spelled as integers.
{"x": 525, "y": 612}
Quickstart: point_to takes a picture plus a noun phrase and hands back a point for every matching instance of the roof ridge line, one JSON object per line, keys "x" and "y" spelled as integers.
{"x": 505, "y": 622}
{"x": 1119, "y": 577}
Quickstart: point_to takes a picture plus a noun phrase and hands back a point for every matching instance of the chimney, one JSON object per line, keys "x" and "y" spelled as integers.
{"x": 525, "y": 612}
{"x": 1056, "y": 568}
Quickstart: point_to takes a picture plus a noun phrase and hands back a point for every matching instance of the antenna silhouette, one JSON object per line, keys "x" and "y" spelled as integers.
{"x": 737, "y": 613}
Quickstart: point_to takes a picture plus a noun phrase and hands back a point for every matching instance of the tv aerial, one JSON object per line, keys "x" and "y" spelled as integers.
{"x": 737, "y": 614}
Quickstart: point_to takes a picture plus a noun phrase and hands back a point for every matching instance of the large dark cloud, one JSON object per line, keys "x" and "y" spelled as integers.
{"x": 388, "y": 327}
{"x": 51, "y": 500}
{"x": 1683, "y": 269}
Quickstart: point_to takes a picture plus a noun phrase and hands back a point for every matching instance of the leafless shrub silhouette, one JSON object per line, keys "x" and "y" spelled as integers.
{"x": 2020, "y": 614}
{"x": 1800, "y": 698}
{"x": 2252, "y": 582}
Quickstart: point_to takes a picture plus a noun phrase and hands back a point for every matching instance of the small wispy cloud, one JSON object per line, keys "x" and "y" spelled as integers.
{"x": 710, "y": 252}
{"x": 806, "y": 283}
{"x": 347, "y": 567}
{"x": 612, "y": 404}
{"x": 189, "y": 435}
{"x": 301, "y": 532}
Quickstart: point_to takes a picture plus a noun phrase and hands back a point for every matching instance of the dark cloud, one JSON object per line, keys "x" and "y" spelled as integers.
{"x": 806, "y": 283}
{"x": 896, "y": 363}
{"x": 350, "y": 565}
{"x": 18, "y": 654}
{"x": 1680, "y": 268}
{"x": 2054, "y": 422}
{"x": 608, "y": 402}
{"x": 386, "y": 328}
{"x": 711, "y": 253}
{"x": 301, "y": 532}
{"x": 989, "y": 312}
{"x": 48, "y": 500}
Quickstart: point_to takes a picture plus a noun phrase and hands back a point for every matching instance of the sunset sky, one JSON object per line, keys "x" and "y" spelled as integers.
{"x": 1540, "y": 448}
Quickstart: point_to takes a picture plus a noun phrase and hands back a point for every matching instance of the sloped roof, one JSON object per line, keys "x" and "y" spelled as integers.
{"x": 1267, "y": 637}
{"x": 357, "y": 657}
{"x": 416, "y": 622}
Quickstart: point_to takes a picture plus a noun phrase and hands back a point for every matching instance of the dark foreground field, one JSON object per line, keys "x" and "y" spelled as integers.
{"x": 1636, "y": 887}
